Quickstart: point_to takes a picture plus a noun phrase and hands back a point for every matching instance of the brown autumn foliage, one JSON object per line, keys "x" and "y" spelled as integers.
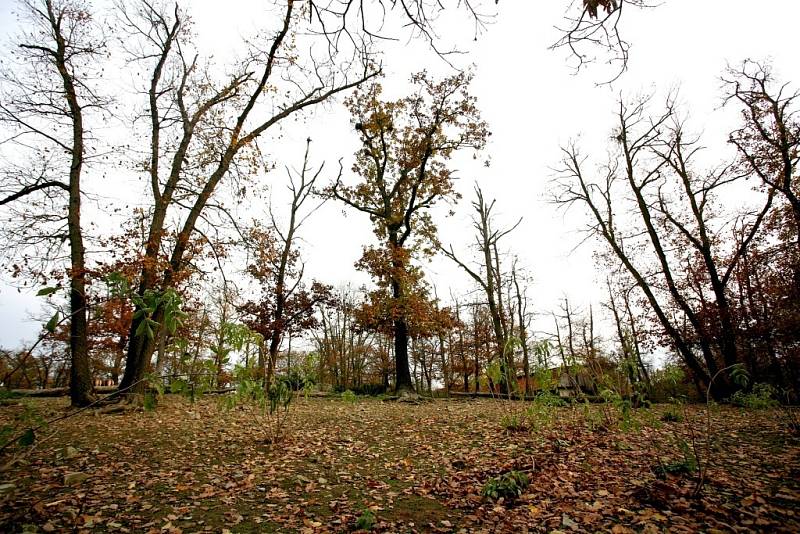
{"x": 404, "y": 172}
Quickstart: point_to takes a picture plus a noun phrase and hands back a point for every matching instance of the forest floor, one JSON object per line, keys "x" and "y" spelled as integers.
{"x": 393, "y": 467}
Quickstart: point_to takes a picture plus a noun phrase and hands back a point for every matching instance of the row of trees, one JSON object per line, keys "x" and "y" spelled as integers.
{"x": 715, "y": 276}
{"x": 708, "y": 283}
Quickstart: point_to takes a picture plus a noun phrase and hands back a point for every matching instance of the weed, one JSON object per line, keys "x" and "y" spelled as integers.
{"x": 512, "y": 422}
{"x": 508, "y": 485}
{"x": 539, "y": 416}
{"x": 671, "y": 416}
{"x": 366, "y": 520}
{"x": 279, "y": 396}
{"x": 150, "y": 401}
{"x": 29, "y": 420}
{"x": 8, "y": 394}
{"x": 594, "y": 419}
{"x": 547, "y": 398}
{"x": 687, "y": 465}
{"x": 761, "y": 397}
{"x": 349, "y": 396}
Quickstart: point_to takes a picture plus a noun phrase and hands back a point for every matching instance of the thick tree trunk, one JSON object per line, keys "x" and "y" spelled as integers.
{"x": 403, "y": 382}
{"x": 137, "y": 359}
{"x": 80, "y": 379}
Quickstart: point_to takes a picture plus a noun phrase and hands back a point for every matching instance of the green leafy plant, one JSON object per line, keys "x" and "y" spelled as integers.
{"x": 28, "y": 420}
{"x": 687, "y": 465}
{"x": 308, "y": 388}
{"x": 494, "y": 375}
{"x": 548, "y": 398}
{"x": 153, "y": 392}
{"x": 761, "y": 397}
{"x": 508, "y": 485}
{"x": 366, "y": 520}
{"x": 168, "y": 302}
{"x": 179, "y": 387}
{"x": 349, "y": 397}
{"x": 594, "y": 419}
{"x": 150, "y": 401}
{"x": 540, "y": 413}
{"x": 617, "y": 410}
{"x": 671, "y": 415}
{"x": 610, "y": 408}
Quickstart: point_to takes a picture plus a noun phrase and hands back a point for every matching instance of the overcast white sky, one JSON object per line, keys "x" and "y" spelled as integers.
{"x": 533, "y": 102}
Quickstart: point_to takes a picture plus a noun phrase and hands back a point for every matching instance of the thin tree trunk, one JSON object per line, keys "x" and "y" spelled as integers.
{"x": 81, "y": 386}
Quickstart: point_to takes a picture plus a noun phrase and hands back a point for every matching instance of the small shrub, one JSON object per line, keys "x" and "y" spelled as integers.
{"x": 540, "y": 412}
{"x": 298, "y": 379}
{"x": 179, "y": 387}
{"x": 247, "y": 391}
{"x": 272, "y": 403}
{"x": 512, "y": 422}
{"x": 671, "y": 416}
{"x": 539, "y": 416}
{"x": 366, "y": 520}
{"x": 616, "y": 410}
{"x": 508, "y": 485}
{"x": 153, "y": 392}
{"x": 349, "y": 396}
{"x": 687, "y": 465}
{"x": 761, "y": 397}
{"x": 8, "y": 394}
{"x": 279, "y": 396}
{"x": 150, "y": 401}
{"x": 548, "y": 398}
{"x": 671, "y": 382}
{"x": 371, "y": 390}
{"x": 27, "y": 419}
{"x": 674, "y": 468}
{"x": 595, "y": 420}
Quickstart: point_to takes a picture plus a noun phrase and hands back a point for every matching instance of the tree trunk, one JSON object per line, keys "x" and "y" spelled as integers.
{"x": 137, "y": 359}
{"x": 403, "y": 382}
{"x": 81, "y": 386}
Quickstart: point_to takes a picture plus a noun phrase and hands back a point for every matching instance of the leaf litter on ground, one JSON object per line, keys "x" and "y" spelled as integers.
{"x": 395, "y": 467}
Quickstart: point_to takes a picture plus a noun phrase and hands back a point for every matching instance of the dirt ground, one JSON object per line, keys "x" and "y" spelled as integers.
{"x": 349, "y": 465}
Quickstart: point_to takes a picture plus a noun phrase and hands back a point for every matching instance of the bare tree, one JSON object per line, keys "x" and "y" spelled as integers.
{"x": 769, "y": 140}
{"x": 595, "y": 24}
{"x": 203, "y": 130}
{"x": 627, "y": 335}
{"x": 46, "y": 97}
{"x": 343, "y": 346}
{"x": 489, "y": 276}
{"x": 287, "y": 305}
{"x": 672, "y": 223}
{"x": 348, "y": 23}
{"x": 521, "y": 308}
